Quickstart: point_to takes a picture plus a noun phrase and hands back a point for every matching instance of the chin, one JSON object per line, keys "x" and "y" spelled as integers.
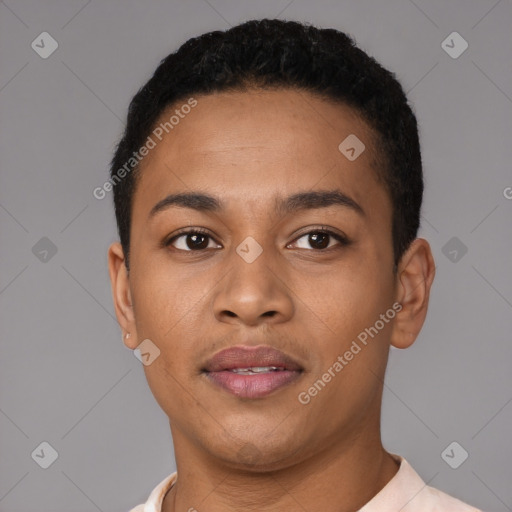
{"x": 256, "y": 456}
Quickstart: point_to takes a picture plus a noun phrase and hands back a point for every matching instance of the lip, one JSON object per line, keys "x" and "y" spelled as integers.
{"x": 218, "y": 370}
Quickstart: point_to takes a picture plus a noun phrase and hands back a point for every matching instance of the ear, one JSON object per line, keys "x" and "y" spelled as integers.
{"x": 415, "y": 276}
{"x": 120, "y": 282}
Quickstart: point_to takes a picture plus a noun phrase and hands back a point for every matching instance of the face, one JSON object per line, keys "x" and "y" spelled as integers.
{"x": 252, "y": 267}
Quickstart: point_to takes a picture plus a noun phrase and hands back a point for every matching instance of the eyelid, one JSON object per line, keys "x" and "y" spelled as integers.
{"x": 339, "y": 236}
{"x": 187, "y": 231}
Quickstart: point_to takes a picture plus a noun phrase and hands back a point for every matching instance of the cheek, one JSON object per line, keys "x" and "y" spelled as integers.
{"x": 345, "y": 300}
{"x": 170, "y": 310}
{"x": 166, "y": 301}
{"x": 169, "y": 388}
{"x": 351, "y": 329}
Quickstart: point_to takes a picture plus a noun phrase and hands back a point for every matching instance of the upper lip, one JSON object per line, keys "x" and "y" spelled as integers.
{"x": 247, "y": 357}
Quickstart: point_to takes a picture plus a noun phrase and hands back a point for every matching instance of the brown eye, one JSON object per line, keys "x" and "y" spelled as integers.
{"x": 191, "y": 241}
{"x": 320, "y": 240}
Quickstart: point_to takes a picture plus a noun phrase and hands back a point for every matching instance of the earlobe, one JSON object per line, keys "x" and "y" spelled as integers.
{"x": 415, "y": 276}
{"x": 121, "y": 294}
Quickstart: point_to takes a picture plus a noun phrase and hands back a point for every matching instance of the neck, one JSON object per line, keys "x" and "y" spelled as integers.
{"x": 342, "y": 477}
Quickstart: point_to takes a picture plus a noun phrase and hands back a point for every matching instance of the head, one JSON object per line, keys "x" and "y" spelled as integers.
{"x": 274, "y": 54}
{"x": 288, "y": 143}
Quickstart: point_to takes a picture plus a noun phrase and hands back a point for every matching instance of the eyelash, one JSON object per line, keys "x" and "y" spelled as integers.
{"x": 343, "y": 241}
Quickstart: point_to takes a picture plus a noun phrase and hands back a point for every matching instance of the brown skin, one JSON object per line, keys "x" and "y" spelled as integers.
{"x": 272, "y": 453}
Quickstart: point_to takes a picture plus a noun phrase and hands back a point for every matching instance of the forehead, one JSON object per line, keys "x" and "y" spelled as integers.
{"x": 248, "y": 146}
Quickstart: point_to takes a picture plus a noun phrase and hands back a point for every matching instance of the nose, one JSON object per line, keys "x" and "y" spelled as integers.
{"x": 253, "y": 293}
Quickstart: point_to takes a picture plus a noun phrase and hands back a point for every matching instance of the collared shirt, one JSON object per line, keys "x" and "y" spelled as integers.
{"x": 405, "y": 492}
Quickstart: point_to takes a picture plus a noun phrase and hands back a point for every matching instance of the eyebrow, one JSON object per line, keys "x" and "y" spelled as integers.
{"x": 296, "y": 202}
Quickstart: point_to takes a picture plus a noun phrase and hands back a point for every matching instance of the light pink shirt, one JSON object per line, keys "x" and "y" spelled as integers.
{"x": 405, "y": 492}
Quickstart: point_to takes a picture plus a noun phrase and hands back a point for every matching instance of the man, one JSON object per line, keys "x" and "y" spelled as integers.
{"x": 267, "y": 190}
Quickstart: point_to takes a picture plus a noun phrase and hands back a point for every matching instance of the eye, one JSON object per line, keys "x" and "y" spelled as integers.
{"x": 319, "y": 239}
{"x": 191, "y": 241}
{"x": 197, "y": 239}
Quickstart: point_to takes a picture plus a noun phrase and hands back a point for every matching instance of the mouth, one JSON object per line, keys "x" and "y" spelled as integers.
{"x": 252, "y": 372}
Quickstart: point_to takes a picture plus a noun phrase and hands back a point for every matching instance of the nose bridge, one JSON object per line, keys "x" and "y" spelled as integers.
{"x": 251, "y": 273}
{"x": 253, "y": 286}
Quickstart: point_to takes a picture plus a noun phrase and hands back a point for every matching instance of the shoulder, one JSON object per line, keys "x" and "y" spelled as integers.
{"x": 138, "y": 508}
{"x": 429, "y": 499}
{"x": 154, "y": 502}
{"x": 407, "y": 492}
{"x": 442, "y": 502}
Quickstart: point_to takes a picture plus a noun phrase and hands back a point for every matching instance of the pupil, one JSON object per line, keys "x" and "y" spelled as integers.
{"x": 319, "y": 240}
{"x": 324, "y": 240}
{"x": 194, "y": 244}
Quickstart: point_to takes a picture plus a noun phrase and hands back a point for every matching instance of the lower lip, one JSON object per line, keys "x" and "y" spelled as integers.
{"x": 252, "y": 386}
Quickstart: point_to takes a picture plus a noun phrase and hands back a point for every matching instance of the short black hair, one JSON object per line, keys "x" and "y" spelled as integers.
{"x": 272, "y": 53}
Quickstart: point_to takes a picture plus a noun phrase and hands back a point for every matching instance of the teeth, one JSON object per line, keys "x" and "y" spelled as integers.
{"x": 255, "y": 369}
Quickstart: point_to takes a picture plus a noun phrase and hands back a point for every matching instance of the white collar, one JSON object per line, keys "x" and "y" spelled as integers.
{"x": 406, "y": 492}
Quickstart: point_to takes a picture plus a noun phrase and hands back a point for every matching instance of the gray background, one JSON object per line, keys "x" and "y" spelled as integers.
{"x": 66, "y": 377}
